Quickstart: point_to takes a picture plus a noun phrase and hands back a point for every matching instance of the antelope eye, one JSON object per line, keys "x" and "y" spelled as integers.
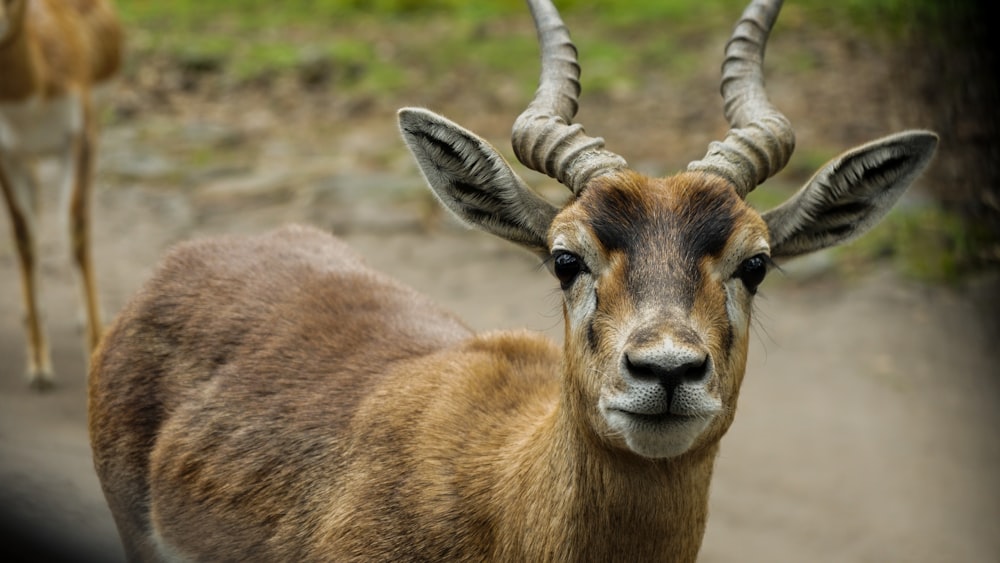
{"x": 752, "y": 271}
{"x": 567, "y": 266}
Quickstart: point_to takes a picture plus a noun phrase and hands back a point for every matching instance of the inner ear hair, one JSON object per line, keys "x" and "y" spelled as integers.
{"x": 473, "y": 181}
{"x": 850, "y": 194}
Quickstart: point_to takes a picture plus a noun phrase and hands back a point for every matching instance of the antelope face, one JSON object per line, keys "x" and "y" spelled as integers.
{"x": 658, "y": 277}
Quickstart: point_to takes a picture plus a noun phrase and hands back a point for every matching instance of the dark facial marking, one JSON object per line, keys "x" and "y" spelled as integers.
{"x": 708, "y": 220}
{"x": 624, "y": 220}
{"x": 661, "y": 234}
{"x": 615, "y": 219}
{"x": 728, "y": 337}
{"x": 592, "y": 341}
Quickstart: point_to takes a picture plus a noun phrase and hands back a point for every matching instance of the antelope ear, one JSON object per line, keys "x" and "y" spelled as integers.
{"x": 850, "y": 194}
{"x": 474, "y": 181}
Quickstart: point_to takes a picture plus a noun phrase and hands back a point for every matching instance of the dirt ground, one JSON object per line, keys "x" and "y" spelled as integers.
{"x": 867, "y": 424}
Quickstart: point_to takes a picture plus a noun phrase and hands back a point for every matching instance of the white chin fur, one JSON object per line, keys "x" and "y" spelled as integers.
{"x": 657, "y": 440}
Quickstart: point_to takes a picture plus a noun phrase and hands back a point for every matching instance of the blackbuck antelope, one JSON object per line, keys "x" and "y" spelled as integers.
{"x": 272, "y": 398}
{"x": 53, "y": 53}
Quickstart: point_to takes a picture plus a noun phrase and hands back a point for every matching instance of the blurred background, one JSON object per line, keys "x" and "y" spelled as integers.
{"x": 845, "y": 71}
{"x": 866, "y": 429}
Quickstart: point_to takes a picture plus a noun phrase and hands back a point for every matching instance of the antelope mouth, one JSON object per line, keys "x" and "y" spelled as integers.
{"x": 653, "y": 406}
{"x": 666, "y": 417}
{"x": 657, "y": 435}
{"x": 659, "y": 421}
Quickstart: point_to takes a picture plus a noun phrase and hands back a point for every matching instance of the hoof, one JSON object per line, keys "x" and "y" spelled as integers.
{"x": 41, "y": 381}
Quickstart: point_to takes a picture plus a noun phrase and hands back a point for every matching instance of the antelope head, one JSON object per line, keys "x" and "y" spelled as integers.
{"x": 658, "y": 274}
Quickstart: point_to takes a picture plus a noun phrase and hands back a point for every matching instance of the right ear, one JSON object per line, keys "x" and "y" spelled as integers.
{"x": 849, "y": 195}
{"x": 474, "y": 181}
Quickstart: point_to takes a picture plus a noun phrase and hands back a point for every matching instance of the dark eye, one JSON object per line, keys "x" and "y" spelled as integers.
{"x": 567, "y": 266}
{"x": 752, "y": 271}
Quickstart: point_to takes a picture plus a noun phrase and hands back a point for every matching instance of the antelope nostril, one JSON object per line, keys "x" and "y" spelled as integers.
{"x": 689, "y": 372}
{"x": 639, "y": 369}
{"x": 669, "y": 373}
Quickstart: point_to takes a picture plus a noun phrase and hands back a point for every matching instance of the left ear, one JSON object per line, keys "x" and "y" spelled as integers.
{"x": 474, "y": 181}
{"x": 850, "y": 194}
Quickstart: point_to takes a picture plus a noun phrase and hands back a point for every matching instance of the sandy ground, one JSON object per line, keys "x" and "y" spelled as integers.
{"x": 867, "y": 427}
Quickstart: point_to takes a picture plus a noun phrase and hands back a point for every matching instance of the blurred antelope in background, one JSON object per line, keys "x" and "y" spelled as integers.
{"x": 53, "y": 53}
{"x": 272, "y": 398}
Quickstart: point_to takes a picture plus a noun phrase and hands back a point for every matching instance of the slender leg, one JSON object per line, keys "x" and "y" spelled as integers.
{"x": 80, "y": 176}
{"x": 19, "y": 190}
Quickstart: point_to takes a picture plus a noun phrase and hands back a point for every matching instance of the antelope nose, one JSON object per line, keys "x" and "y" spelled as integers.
{"x": 669, "y": 369}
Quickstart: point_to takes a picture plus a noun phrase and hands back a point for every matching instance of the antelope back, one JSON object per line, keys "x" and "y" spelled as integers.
{"x": 224, "y": 401}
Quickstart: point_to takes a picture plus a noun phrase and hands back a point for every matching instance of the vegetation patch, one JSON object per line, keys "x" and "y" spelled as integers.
{"x": 320, "y": 39}
{"x": 415, "y": 50}
{"x": 924, "y": 242}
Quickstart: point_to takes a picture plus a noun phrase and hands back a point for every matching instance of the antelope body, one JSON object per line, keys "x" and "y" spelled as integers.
{"x": 272, "y": 398}
{"x": 53, "y": 53}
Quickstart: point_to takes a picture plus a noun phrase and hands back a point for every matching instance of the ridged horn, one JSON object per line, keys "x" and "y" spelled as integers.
{"x": 760, "y": 141}
{"x": 544, "y": 136}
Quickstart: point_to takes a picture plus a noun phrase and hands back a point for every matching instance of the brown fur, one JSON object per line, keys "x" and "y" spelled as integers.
{"x": 270, "y": 396}
{"x": 53, "y": 50}
{"x": 58, "y": 46}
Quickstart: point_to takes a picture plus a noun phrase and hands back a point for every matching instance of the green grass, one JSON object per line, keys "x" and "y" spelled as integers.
{"x": 246, "y": 40}
{"x": 924, "y": 243}
{"x": 193, "y": 13}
